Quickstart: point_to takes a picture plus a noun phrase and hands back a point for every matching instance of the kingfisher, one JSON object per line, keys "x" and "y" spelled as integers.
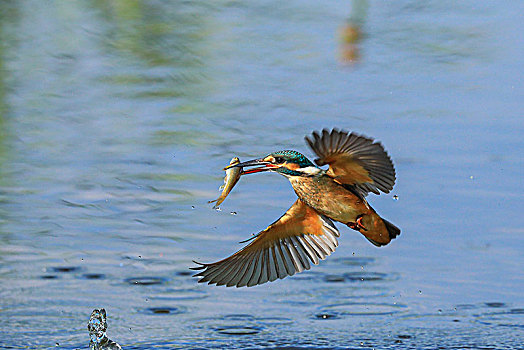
{"x": 306, "y": 233}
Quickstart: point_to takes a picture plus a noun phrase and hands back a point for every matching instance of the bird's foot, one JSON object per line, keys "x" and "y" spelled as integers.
{"x": 357, "y": 225}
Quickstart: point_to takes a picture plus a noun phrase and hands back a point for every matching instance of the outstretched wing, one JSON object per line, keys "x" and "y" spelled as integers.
{"x": 286, "y": 247}
{"x": 354, "y": 160}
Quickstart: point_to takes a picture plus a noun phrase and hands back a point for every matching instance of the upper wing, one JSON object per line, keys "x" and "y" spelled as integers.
{"x": 283, "y": 249}
{"x": 354, "y": 160}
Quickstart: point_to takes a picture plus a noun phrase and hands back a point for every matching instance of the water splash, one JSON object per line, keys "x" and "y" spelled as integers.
{"x": 97, "y": 327}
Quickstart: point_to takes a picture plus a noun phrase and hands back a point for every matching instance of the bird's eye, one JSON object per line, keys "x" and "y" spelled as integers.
{"x": 279, "y": 160}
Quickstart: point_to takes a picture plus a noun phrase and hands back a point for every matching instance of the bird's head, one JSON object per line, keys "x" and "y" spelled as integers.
{"x": 287, "y": 163}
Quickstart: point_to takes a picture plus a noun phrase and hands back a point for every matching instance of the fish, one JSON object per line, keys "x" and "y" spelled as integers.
{"x": 230, "y": 180}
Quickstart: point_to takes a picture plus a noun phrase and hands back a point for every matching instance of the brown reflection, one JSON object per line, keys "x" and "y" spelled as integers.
{"x": 351, "y": 32}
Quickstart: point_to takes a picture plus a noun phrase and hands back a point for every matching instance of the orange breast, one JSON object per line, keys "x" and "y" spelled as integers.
{"x": 329, "y": 198}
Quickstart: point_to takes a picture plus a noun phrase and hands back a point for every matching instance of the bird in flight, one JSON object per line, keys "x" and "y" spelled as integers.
{"x": 306, "y": 234}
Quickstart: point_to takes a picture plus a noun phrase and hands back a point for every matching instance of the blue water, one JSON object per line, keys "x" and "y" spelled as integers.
{"x": 117, "y": 117}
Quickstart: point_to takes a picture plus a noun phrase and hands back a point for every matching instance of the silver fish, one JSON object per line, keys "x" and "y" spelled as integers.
{"x": 231, "y": 179}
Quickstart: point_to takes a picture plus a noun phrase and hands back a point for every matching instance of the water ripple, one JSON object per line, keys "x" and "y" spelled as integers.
{"x": 238, "y": 330}
{"x": 93, "y": 276}
{"x": 513, "y": 318}
{"x": 359, "y": 309}
{"x": 354, "y": 261}
{"x": 163, "y": 310}
{"x": 182, "y": 294}
{"x": 145, "y": 280}
{"x": 64, "y": 269}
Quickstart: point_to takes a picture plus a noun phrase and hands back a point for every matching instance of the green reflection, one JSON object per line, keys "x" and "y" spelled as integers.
{"x": 8, "y": 18}
{"x": 7, "y": 14}
{"x": 158, "y": 34}
{"x": 161, "y": 51}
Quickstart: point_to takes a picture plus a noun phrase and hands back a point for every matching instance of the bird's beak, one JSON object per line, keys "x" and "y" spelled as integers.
{"x": 263, "y": 166}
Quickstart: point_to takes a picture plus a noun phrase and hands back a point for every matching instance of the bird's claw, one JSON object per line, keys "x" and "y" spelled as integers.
{"x": 357, "y": 225}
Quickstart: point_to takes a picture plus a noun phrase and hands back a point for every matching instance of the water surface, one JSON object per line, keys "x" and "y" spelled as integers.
{"x": 117, "y": 117}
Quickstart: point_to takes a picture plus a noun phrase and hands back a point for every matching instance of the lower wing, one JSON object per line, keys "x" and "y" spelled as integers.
{"x": 284, "y": 248}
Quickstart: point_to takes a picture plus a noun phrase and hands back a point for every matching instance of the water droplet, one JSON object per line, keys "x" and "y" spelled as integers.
{"x": 326, "y": 316}
{"x": 233, "y": 213}
{"x": 471, "y": 177}
{"x": 395, "y": 197}
{"x": 192, "y": 207}
{"x": 419, "y": 292}
{"x": 217, "y": 209}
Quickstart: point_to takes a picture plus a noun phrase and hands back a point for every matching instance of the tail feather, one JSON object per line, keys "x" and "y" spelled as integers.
{"x": 393, "y": 230}
{"x": 380, "y": 232}
{"x": 377, "y": 230}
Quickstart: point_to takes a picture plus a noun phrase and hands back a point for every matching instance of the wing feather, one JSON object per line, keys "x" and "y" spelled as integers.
{"x": 280, "y": 260}
{"x": 234, "y": 281}
{"x": 310, "y": 252}
{"x": 354, "y": 160}
{"x": 295, "y": 256}
{"x": 288, "y": 263}
{"x": 298, "y": 256}
{"x": 249, "y": 271}
{"x": 322, "y": 245}
{"x": 298, "y": 238}
{"x": 264, "y": 276}
{"x": 273, "y": 275}
{"x": 318, "y": 250}
{"x": 256, "y": 270}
